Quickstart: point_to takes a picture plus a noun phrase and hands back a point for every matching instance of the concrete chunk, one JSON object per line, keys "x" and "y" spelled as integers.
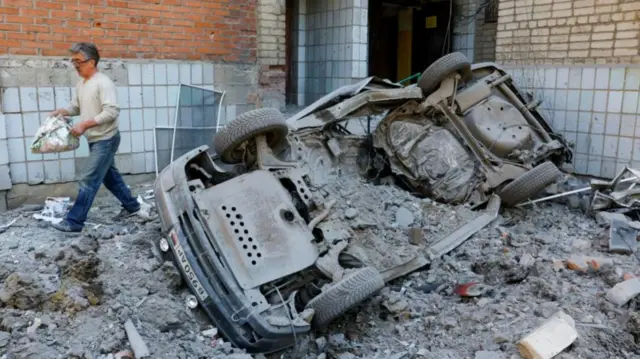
{"x": 139, "y": 347}
{"x": 622, "y": 238}
{"x": 623, "y": 292}
{"x": 549, "y": 339}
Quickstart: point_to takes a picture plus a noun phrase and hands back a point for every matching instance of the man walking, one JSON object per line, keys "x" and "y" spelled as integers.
{"x": 96, "y": 103}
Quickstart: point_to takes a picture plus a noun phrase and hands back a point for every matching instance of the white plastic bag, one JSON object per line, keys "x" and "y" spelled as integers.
{"x": 54, "y": 209}
{"x": 54, "y": 135}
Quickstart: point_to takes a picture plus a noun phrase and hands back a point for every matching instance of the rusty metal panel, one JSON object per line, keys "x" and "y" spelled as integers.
{"x": 261, "y": 234}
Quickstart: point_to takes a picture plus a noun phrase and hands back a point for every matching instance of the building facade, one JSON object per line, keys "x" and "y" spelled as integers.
{"x": 581, "y": 57}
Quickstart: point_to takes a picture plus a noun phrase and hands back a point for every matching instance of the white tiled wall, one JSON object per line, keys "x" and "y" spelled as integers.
{"x": 149, "y": 100}
{"x": 5, "y": 180}
{"x": 331, "y": 38}
{"x": 595, "y": 107}
{"x": 464, "y": 25}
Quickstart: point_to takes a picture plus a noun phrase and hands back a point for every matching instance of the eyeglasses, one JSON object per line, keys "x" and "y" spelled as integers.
{"x": 79, "y": 62}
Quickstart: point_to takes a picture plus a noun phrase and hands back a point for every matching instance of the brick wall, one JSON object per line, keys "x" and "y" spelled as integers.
{"x": 569, "y": 32}
{"x": 582, "y": 59}
{"x": 214, "y": 30}
{"x": 485, "y": 35}
{"x": 272, "y": 52}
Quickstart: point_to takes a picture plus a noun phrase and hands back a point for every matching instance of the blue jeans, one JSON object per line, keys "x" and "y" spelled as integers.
{"x": 100, "y": 170}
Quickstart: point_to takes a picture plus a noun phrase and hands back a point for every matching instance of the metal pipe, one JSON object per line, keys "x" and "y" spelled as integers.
{"x": 564, "y": 194}
{"x": 500, "y": 81}
{"x": 464, "y": 132}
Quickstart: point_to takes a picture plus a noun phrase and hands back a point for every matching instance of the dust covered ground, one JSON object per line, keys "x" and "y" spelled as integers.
{"x": 80, "y": 289}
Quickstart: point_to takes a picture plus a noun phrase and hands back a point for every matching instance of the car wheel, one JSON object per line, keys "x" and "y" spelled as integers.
{"x": 262, "y": 121}
{"x": 442, "y": 68}
{"x": 529, "y": 184}
{"x": 351, "y": 290}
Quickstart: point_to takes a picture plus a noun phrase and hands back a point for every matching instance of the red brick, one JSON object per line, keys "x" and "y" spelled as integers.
{"x": 79, "y": 8}
{"x": 61, "y": 46}
{"x": 39, "y": 29}
{"x": 9, "y": 27}
{"x": 78, "y": 24}
{"x": 104, "y": 10}
{"x": 36, "y": 44}
{"x": 48, "y": 5}
{"x": 34, "y": 12}
{"x": 9, "y": 11}
{"x": 51, "y": 52}
{"x": 63, "y": 30}
{"x": 116, "y": 3}
{"x": 23, "y": 51}
{"x": 75, "y": 38}
{"x": 105, "y": 25}
{"x": 64, "y": 14}
{"x": 16, "y": 3}
{"x": 11, "y": 43}
{"x": 49, "y": 21}
{"x": 18, "y": 19}
{"x": 165, "y": 29}
{"x": 128, "y": 26}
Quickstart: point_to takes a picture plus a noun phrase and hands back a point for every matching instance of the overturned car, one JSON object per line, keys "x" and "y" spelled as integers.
{"x": 240, "y": 229}
{"x": 244, "y": 225}
{"x": 463, "y": 132}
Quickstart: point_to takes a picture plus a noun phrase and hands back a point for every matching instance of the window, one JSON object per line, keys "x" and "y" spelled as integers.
{"x": 491, "y": 11}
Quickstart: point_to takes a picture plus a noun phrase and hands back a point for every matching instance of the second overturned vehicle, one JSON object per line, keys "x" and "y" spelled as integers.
{"x": 242, "y": 225}
{"x": 464, "y": 131}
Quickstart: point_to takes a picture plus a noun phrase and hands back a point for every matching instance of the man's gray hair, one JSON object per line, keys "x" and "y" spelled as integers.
{"x": 88, "y": 50}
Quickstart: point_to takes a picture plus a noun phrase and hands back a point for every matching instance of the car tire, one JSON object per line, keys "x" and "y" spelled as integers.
{"x": 529, "y": 184}
{"x": 350, "y": 291}
{"x": 262, "y": 121}
{"x": 442, "y": 68}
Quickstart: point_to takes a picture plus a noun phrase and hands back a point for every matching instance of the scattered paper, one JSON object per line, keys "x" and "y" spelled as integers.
{"x": 54, "y": 209}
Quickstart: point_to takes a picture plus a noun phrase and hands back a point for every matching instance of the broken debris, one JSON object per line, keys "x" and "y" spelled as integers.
{"x": 54, "y": 209}
{"x": 137, "y": 344}
{"x": 471, "y": 289}
{"x": 4, "y": 227}
{"x": 623, "y": 292}
{"x": 550, "y": 338}
{"x": 622, "y": 238}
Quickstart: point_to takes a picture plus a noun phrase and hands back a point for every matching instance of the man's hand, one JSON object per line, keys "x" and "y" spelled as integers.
{"x": 78, "y": 129}
{"x": 59, "y": 112}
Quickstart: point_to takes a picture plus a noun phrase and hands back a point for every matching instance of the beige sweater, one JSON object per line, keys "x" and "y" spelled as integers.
{"x": 96, "y": 99}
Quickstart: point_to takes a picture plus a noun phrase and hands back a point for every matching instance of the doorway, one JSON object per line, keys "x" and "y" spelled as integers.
{"x": 406, "y": 36}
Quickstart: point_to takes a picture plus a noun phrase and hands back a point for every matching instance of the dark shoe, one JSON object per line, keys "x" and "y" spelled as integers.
{"x": 65, "y": 226}
{"x": 141, "y": 215}
{"x": 120, "y": 216}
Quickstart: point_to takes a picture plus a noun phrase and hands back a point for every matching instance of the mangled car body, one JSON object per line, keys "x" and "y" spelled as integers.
{"x": 240, "y": 229}
{"x": 463, "y": 132}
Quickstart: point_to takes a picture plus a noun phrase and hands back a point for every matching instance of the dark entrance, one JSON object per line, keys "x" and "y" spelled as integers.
{"x": 398, "y": 49}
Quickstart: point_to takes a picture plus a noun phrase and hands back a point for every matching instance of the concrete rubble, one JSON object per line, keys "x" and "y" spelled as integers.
{"x": 69, "y": 296}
